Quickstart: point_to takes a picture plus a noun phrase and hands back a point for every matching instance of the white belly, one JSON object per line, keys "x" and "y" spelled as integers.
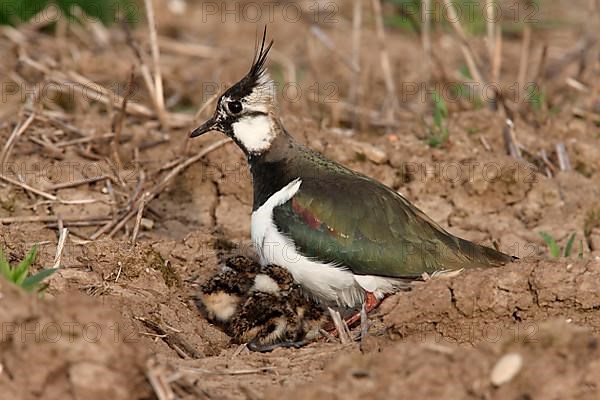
{"x": 328, "y": 282}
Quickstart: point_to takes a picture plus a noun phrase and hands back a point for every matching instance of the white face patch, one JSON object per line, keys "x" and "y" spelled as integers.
{"x": 254, "y": 133}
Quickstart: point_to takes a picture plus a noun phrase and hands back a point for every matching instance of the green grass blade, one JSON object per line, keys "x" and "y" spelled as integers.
{"x": 551, "y": 243}
{"x": 569, "y": 246}
{"x": 22, "y": 269}
{"x": 440, "y": 111}
{"x": 580, "y": 249}
{"x": 5, "y": 266}
{"x": 33, "y": 281}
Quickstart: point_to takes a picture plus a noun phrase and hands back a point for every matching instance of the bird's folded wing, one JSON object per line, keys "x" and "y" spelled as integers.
{"x": 368, "y": 228}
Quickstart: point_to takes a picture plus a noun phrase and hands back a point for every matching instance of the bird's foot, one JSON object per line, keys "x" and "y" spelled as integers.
{"x": 371, "y": 303}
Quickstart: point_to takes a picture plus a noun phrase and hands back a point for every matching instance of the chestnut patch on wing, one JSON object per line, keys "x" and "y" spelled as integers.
{"x": 311, "y": 219}
{"x": 307, "y": 216}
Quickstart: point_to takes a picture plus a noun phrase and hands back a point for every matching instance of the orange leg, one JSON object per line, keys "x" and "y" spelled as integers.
{"x": 371, "y": 303}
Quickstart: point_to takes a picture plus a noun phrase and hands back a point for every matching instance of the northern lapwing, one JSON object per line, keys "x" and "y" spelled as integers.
{"x": 346, "y": 238}
{"x": 261, "y": 305}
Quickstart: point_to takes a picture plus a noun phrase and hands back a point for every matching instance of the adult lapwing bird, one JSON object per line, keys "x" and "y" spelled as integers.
{"x": 344, "y": 237}
{"x": 261, "y": 305}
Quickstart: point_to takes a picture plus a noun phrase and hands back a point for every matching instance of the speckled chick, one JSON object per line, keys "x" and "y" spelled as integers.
{"x": 276, "y": 313}
{"x": 261, "y": 306}
{"x": 222, "y": 294}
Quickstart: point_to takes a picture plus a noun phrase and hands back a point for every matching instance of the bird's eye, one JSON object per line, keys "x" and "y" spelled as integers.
{"x": 235, "y": 107}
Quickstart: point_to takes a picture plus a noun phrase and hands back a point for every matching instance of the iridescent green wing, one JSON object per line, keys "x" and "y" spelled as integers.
{"x": 353, "y": 221}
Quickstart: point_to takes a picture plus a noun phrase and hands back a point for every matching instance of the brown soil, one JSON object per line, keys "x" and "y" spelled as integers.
{"x": 440, "y": 340}
{"x": 560, "y": 361}
{"x": 68, "y": 348}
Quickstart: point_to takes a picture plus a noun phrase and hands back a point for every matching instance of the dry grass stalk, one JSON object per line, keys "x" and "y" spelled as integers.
{"x": 78, "y": 224}
{"x": 329, "y": 337}
{"x": 241, "y": 348}
{"x": 48, "y": 146}
{"x": 549, "y": 168}
{"x": 14, "y": 136}
{"x": 364, "y": 323}
{"x": 117, "y": 125}
{"x": 468, "y": 53}
{"x": 56, "y": 119}
{"x": 25, "y": 186}
{"x": 173, "y": 340}
{"x": 577, "y": 85}
{"x": 485, "y": 143}
{"x": 89, "y": 139}
{"x": 158, "y": 381}
{"x": 524, "y": 60}
{"x": 510, "y": 142}
{"x": 138, "y": 220}
{"x": 538, "y": 76}
{"x": 52, "y": 219}
{"x": 386, "y": 65}
{"x": 426, "y": 35}
{"x": 491, "y": 30}
{"x": 497, "y": 55}
{"x": 158, "y": 82}
{"x": 249, "y": 371}
{"x": 76, "y": 183}
{"x": 355, "y": 86}
{"x": 144, "y": 68}
{"x": 340, "y": 326}
{"x": 62, "y": 239}
{"x": 564, "y": 162}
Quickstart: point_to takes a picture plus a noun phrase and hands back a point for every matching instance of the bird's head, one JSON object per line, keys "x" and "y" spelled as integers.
{"x": 246, "y": 111}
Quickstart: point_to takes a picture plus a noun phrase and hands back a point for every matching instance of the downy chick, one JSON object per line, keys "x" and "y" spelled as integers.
{"x": 222, "y": 294}
{"x": 261, "y": 306}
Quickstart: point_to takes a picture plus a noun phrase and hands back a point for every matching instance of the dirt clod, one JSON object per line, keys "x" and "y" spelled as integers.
{"x": 70, "y": 347}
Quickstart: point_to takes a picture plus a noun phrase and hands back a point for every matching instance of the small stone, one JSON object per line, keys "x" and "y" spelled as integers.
{"x": 595, "y": 239}
{"x": 147, "y": 224}
{"x": 372, "y": 153}
{"x": 177, "y": 7}
{"x": 506, "y": 369}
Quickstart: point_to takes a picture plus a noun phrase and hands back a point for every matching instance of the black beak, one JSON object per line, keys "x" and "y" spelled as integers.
{"x": 208, "y": 126}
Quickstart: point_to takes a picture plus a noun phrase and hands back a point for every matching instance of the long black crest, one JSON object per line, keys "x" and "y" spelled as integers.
{"x": 260, "y": 58}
